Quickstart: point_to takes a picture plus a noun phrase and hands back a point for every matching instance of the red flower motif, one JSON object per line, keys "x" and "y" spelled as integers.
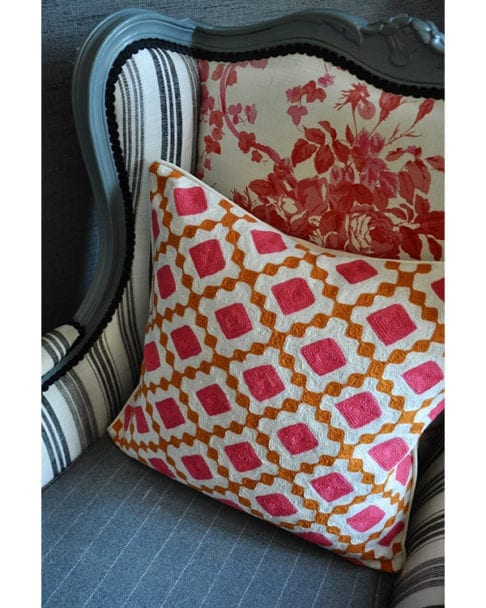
{"x": 369, "y": 232}
{"x": 388, "y": 102}
{"x": 326, "y": 80}
{"x": 251, "y": 113}
{"x": 207, "y": 102}
{"x": 357, "y": 96}
{"x": 246, "y": 141}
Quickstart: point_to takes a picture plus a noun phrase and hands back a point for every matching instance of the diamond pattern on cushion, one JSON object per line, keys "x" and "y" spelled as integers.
{"x": 268, "y": 241}
{"x": 439, "y": 288}
{"x": 185, "y": 342}
{"x": 297, "y": 438}
{"x": 276, "y": 504}
{"x": 243, "y": 456}
{"x": 190, "y": 201}
{"x": 170, "y": 413}
{"x": 263, "y": 382}
{"x": 366, "y": 519}
{"x": 332, "y": 486}
{"x": 213, "y": 400}
{"x": 160, "y": 466}
{"x": 268, "y": 383}
{"x": 356, "y": 271}
{"x": 324, "y": 356}
{"x": 391, "y": 324}
{"x": 293, "y": 295}
{"x": 317, "y": 538}
{"x": 360, "y": 409}
{"x": 233, "y": 320}
{"x": 197, "y": 467}
{"x": 151, "y": 356}
{"x": 404, "y": 469}
{"x": 423, "y": 377}
{"x": 389, "y": 453}
{"x": 165, "y": 281}
{"x": 208, "y": 258}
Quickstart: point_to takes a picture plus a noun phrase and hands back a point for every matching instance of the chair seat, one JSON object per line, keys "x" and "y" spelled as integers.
{"x": 118, "y": 534}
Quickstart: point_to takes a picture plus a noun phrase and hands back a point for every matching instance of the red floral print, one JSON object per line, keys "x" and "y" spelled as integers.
{"x": 356, "y": 185}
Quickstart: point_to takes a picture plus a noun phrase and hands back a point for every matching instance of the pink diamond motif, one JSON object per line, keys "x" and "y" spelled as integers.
{"x": 207, "y": 257}
{"x": 127, "y": 416}
{"x": 140, "y": 420}
{"x": 263, "y": 382}
{"x": 389, "y": 453}
{"x": 165, "y": 282}
{"x": 185, "y": 342}
{"x": 437, "y": 410}
{"x": 170, "y": 413}
{"x": 230, "y": 503}
{"x": 151, "y": 356}
{"x": 439, "y": 288}
{"x": 332, "y": 486}
{"x": 324, "y": 356}
{"x": 395, "y": 530}
{"x": 315, "y": 537}
{"x": 243, "y": 456}
{"x": 356, "y": 271}
{"x": 293, "y": 295}
{"x": 297, "y": 438}
{"x": 267, "y": 241}
{"x": 391, "y": 324}
{"x": 155, "y": 224}
{"x": 233, "y": 320}
{"x": 403, "y": 470}
{"x": 190, "y": 201}
{"x": 160, "y": 466}
{"x": 424, "y": 376}
{"x": 276, "y": 505}
{"x": 366, "y": 519}
{"x": 197, "y": 467}
{"x": 213, "y": 400}
{"x": 359, "y": 409}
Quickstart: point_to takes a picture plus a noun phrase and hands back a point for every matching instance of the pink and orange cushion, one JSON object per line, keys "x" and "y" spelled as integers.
{"x": 286, "y": 380}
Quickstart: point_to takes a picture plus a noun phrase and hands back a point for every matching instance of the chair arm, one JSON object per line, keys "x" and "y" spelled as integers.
{"x": 116, "y": 89}
{"x": 421, "y": 582}
{"x": 56, "y": 344}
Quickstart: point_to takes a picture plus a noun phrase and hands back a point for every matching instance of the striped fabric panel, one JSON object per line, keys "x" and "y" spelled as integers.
{"x": 156, "y": 106}
{"x": 55, "y": 345}
{"x": 116, "y": 533}
{"x": 421, "y": 582}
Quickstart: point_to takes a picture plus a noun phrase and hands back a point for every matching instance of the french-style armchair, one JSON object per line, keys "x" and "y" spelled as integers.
{"x": 327, "y": 129}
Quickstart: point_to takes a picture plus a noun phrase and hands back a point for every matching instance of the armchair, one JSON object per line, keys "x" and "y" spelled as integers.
{"x": 329, "y": 129}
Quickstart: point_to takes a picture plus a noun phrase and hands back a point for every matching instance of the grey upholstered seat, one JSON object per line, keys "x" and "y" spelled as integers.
{"x": 118, "y": 534}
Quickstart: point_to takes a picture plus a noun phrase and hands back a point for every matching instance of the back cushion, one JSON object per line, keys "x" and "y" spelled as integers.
{"x": 322, "y": 155}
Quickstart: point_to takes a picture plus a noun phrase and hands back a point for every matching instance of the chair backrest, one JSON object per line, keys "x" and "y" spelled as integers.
{"x": 309, "y": 121}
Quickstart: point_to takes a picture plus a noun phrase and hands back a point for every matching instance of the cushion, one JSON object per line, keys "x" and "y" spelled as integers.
{"x": 286, "y": 380}
{"x": 332, "y": 159}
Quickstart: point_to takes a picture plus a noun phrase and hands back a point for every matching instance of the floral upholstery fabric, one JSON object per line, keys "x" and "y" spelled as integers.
{"x": 331, "y": 159}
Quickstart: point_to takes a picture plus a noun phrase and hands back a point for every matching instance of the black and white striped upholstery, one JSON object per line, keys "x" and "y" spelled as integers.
{"x": 153, "y": 87}
{"x": 56, "y": 344}
{"x": 421, "y": 582}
